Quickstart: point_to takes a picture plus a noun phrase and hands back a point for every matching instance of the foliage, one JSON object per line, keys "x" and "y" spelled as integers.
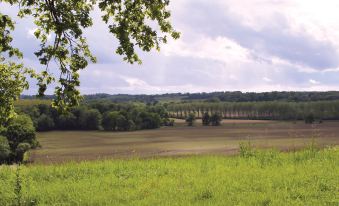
{"x": 206, "y": 119}
{"x": 4, "y": 149}
{"x": 12, "y": 83}
{"x": 168, "y": 122}
{"x": 142, "y": 24}
{"x": 171, "y": 122}
{"x": 88, "y": 119}
{"x": 20, "y": 150}
{"x": 322, "y": 110}
{"x": 214, "y": 97}
{"x": 216, "y": 119}
{"x": 23, "y": 120}
{"x": 195, "y": 180}
{"x": 20, "y": 137}
{"x": 21, "y": 130}
{"x": 109, "y": 121}
{"x": 122, "y": 123}
{"x": 97, "y": 115}
{"x": 66, "y": 121}
{"x": 150, "y": 120}
{"x": 309, "y": 119}
{"x": 6, "y": 26}
{"x": 238, "y": 96}
{"x": 12, "y": 75}
{"x": 45, "y": 123}
{"x": 190, "y": 119}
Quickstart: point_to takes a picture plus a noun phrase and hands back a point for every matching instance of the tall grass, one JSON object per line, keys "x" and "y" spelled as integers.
{"x": 308, "y": 177}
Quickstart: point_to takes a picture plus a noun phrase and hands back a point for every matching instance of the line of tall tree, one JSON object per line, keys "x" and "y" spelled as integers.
{"x": 273, "y": 110}
{"x": 98, "y": 115}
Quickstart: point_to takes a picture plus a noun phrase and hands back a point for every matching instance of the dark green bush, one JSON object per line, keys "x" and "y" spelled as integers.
{"x": 206, "y": 119}
{"x": 20, "y": 134}
{"x": 20, "y": 151}
{"x": 150, "y": 120}
{"x": 169, "y": 123}
{"x": 190, "y": 119}
{"x": 21, "y": 130}
{"x": 216, "y": 119}
{"x": 309, "y": 119}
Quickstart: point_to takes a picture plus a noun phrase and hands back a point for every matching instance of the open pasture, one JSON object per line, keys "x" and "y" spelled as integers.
{"x": 307, "y": 177}
{"x": 61, "y": 146}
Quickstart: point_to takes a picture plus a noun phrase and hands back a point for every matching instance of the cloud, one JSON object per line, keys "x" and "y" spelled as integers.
{"x": 264, "y": 28}
{"x": 249, "y": 45}
{"x": 312, "y": 81}
{"x": 266, "y": 79}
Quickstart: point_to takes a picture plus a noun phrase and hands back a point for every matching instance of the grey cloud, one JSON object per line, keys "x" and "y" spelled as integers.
{"x": 273, "y": 40}
{"x": 173, "y": 73}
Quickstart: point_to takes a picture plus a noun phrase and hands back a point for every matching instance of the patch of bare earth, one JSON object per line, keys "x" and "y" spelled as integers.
{"x": 61, "y": 146}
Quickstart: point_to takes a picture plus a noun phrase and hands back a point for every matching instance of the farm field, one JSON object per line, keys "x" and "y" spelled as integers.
{"x": 61, "y": 146}
{"x": 307, "y": 177}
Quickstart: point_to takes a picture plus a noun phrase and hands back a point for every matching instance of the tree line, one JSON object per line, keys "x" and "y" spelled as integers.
{"x": 273, "y": 110}
{"x": 235, "y": 96}
{"x": 18, "y": 135}
{"x": 98, "y": 115}
{"x": 238, "y": 96}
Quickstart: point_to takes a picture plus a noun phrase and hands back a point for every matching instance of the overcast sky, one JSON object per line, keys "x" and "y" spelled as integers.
{"x": 226, "y": 45}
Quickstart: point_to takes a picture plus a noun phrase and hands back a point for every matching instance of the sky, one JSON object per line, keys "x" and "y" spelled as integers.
{"x": 225, "y": 45}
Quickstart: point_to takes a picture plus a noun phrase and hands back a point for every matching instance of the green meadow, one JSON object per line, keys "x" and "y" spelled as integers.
{"x": 306, "y": 177}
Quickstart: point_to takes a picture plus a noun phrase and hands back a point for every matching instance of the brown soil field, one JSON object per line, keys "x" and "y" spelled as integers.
{"x": 62, "y": 146}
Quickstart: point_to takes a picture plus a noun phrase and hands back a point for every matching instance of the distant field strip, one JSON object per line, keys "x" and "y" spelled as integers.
{"x": 181, "y": 140}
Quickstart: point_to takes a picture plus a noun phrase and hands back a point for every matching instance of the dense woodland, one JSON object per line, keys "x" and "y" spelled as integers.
{"x": 97, "y": 115}
{"x": 19, "y": 134}
{"x": 236, "y": 96}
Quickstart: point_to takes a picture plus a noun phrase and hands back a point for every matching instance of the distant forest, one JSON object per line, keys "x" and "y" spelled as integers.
{"x": 97, "y": 115}
{"x": 235, "y": 96}
{"x": 228, "y": 105}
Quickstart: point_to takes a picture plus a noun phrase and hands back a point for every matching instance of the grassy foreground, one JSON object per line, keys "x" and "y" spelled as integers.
{"x": 308, "y": 177}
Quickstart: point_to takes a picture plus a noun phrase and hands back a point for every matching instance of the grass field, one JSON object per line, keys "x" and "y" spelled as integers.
{"x": 307, "y": 177}
{"x": 181, "y": 166}
{"x": 181, "y": 140}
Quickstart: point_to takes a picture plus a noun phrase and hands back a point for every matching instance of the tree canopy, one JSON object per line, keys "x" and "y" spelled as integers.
{"x": 131, "y": 22}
